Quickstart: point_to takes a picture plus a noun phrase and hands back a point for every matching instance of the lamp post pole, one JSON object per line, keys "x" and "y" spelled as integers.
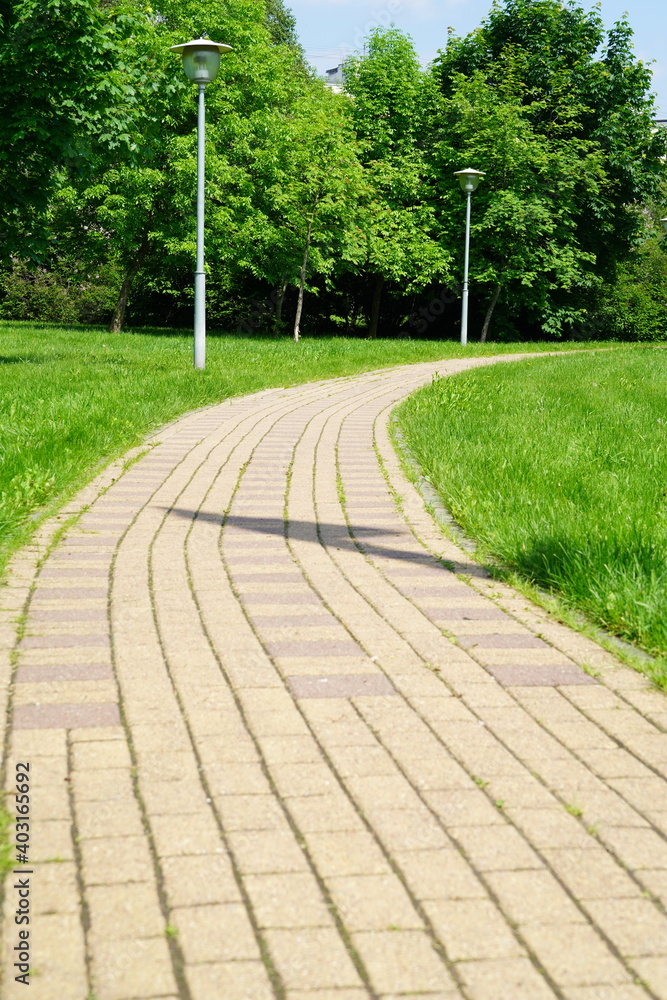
{"x": 468, "y": 179}
{"x": 201, "y": 62}
{"x": 200, "y": 274}
{"x": 466, "y": 265}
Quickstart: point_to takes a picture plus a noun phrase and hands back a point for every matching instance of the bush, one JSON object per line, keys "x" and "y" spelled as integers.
{"x": 70, "y": 293}
{"x": 635, "y": 308}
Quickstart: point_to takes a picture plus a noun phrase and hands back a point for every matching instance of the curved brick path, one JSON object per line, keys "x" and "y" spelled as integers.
{"x": 278, "y": 750}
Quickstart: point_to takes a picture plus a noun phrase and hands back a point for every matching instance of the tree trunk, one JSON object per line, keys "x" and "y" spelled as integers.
{"x": 280, "y": 301}
{"x": 118, "y": 317}
{"x": 489, "y": 314}
{"x": 375, "y": 308}
{"x": 351, "y": 320}
{"x": 302, "y": 282}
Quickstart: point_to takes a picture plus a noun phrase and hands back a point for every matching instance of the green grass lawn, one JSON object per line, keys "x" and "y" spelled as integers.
{"x": 71, "y": 399}
{"x": 558, "y": 467}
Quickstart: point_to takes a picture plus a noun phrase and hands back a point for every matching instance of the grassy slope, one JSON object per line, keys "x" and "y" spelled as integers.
{"x": 73, "y": 398}
{"x": 558, "y": 467}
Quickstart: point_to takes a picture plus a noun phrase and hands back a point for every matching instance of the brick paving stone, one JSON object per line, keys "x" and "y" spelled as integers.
{"x": 266, "y": 851}
{"x": 550, "y": 828}
{"x": 65, "y": 716}
{"x": 360, "y": 994}
{"x": 638, "y": 848}
{"x": 116, "y": 860}
{"x": 504, "y": 979}
{"x": 215, "y": 933}
{"x": 441, "y": 874}
{"x": 178, "y": 834}
{"x": 346, "y": 854}
{"x": 68, "y": 593}
{"x": 322, "y": 813}
{"x": 84, "y": 692}
{"x": 574, "y": 954}
{"x": 58, "y": 888}
{"x": 101, "y": 754}
{"x": 373, "y": 903}
{"x": 624, "y": 992}
{"x": 121, "y": 912}
{"x": 516, "y": 675}
{"x": 464, "y": 807}
{"x": 30, "y": 674}
{"x": 654, "y": 972}
{"x": 233, "y": 980}
{"x": 278, "y": 621}
{"x": 472, "y": 929}
{"x": 656, "y": 882}
{"x": 132, "y": 967}
{"x": 407, "y": 829}
{"x": 534, "y": 897}
{"x": 496, "y": 848}
{"x": 194, "y": 880}
{"x": 287, "y": 901}
{"x": 115, "y": 818}
{"x": 341, "y": 686}
{"x": 313, "y": 957}
{"x": 402, "y": 960}
{"x": 63, "y": 641}
{"x": 69, "y": 615}
{"x": 496, "y": 640}
{"x": 635, "y": 926}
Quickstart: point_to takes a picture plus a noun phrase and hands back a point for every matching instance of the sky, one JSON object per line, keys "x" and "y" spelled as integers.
{"x": 329, "y": 30}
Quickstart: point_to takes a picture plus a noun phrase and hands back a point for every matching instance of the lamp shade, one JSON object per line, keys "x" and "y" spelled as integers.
{"x": 469, "y": 178}
{"x": 201, "y": 58}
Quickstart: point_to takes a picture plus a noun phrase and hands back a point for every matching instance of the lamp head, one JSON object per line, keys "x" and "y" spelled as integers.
{"x": 469, "y": 178}
{"x": 201, "y": 58}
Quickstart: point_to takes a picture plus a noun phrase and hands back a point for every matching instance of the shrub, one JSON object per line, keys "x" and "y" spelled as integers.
{"x": 70, "y": 293}
{"x": 635, "y": 308}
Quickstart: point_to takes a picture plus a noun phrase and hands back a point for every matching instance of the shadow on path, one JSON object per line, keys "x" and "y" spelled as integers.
{"x": 303, "y": 531}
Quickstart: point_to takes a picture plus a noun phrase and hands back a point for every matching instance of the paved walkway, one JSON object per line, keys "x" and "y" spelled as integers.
{"x": 279, "y": 750}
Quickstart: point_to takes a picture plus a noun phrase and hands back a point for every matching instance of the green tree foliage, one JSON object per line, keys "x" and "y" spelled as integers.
{"x": 526, "y": 245}
{"x": 572, "y": 152}
{"x": 68, "y": 94}
{"x": 134, "y": 206}
{"x": 281, "y": 24}
{"x": 634, "y": 306}
{"x": 307, "y": 186}
{"x": 392, "y": 109}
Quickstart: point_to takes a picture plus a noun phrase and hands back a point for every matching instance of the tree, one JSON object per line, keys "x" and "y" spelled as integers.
{"x": 525, "y": 243}
{"x": 392, "y": 111}
{"x": 634, "y": 307}
{"x": 67, "y": 93}
{"x": 581, "y": 103}
{"x": 281, "y": 24}
{"x": 136, "y": 207}
{"x": 308, "y": 181}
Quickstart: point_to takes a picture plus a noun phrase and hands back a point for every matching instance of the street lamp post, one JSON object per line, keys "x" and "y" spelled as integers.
{"x": 201, "y": 62}
{"x": 468, "y": 179}
{"x": 663, "y": 223}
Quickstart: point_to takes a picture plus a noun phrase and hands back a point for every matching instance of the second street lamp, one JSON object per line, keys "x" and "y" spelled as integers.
{"x": 468, "y": 179}
{"x": 201, "y": 62}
